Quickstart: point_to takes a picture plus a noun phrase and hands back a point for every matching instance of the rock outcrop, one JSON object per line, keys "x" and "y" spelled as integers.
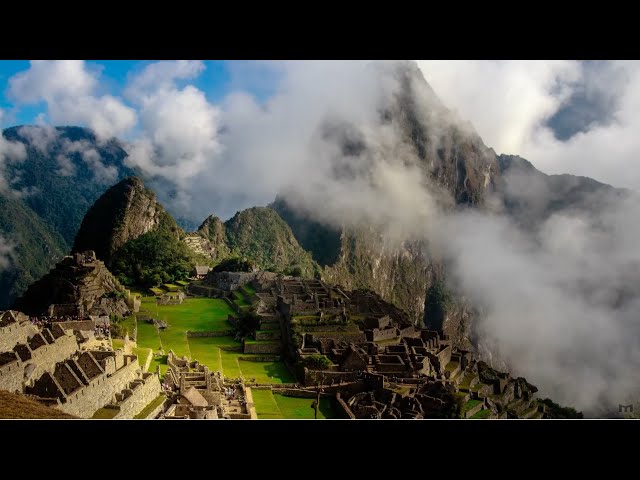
{"x": 78, "y": 285}
{"x": 123, "y": 213}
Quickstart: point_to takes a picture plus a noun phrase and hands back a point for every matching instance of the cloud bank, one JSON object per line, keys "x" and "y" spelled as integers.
{"x": 557, "y": 302}
{"x": 511, "y": 103}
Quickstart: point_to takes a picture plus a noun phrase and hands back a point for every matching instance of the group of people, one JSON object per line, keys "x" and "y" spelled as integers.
{"x": 47, "y": 321}
{"x": 230, "y": 392}
{"x": 104, "y": 330}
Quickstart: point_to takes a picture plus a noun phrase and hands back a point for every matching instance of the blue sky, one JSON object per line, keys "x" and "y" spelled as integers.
{"x": 219, "y": 78}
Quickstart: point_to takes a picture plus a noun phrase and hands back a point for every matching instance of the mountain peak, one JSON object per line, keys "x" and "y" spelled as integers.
{"x": 124, "y": 212}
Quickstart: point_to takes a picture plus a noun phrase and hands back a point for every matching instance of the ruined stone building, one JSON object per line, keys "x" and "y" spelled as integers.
{"x": 50, "y": 366}
{"x": 198, "y": 393}
{"x": 78, "y": 286}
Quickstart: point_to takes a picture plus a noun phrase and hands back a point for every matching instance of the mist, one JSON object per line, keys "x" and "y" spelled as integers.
{"x": 557, "y": 300}
{"x": 6, "y": 253}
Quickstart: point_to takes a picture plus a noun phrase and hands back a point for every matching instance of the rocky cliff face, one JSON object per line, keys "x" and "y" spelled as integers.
{"x": 457, "y": 168}
{"x": 263, "y": 237}
{"x": 258, "y": 234}
{"x": 211, "y": 239}
{"x": 124, "y": 212}
{"x": 88, "y": 284}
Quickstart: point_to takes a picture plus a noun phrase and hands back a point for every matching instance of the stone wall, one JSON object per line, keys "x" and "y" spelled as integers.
{"x": 311, "y": 377}
{"x": 268, "y": 335}
{"x": 262, "y": 348}
{"x": 226, "y": 333}
{"x": 378, "y": 335}
{"x": 86, "y": 325}
{"x": 261, "y": 358}
{"x": 11, "y": 374}
{"x": 101, "y": 390}
{"x": 45, "y": 357}
{"x": 343, "y": 407}
{"x": 14, "y": 333}
{"x": 355, "y": 337}
{"x": 204, "y": 290}
{"x": 145, "y": 391}
{"x": 229, "y": 280}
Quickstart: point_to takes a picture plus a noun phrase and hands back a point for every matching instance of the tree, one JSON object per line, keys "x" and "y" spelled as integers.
{"x": 317, "y": 362}
{"x": 438, "y": 301}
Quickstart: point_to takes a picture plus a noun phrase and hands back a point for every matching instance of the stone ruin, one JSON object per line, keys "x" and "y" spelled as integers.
{"x": 171, "y": 298}
{"x": 79, "y": 285}
{"x": 50, "y": 366}
{"x": 198, "y": 393}
{"x": 384, "y": 366}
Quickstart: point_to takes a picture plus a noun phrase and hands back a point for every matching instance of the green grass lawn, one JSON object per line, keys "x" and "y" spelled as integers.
{"x": 468, "y": 406}
{"x": 201, "y": 314}
{"x": 156, "y": 291}
{"x": 142, "y": 354}
{"x": 161, "y": 362}
{"x": 195, "y": 314}
{"x": 148, "y": 336}
{"x": 152, "y": 406}
{"x": 481, "y": 414}
{"x": 171, "y": 287}
{"x": 266, "y": 406}
{"x": 293, "y": 407}
{"x": 240, "y": 299}
{"x": 182, "y": 283}
{"x": 248, "y": 288}
{"x": 105, "y": 413}
{"x": 129, "y": 325}
{"x": 117, "y": 343}
{"x": 275, "y": 406}
{"x": 266, "y": 372}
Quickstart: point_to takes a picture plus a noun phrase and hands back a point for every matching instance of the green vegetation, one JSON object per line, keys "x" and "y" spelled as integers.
{"x": 439, "y": 300}
{"x": 317, "y": 362}
{"x": 240, "y": 299}
{"x": 553, "y": 410}
{"x": 182, "y": 283}
{"x": 105, "y": 414}
{"x": 235, "y": 264}
{"x": 468, "y": 406}
{"x": 152, "y": 259}
{"x": 146, "y": 411}
{"x": 143, "y": 354}
{"x": 171, "y": 287}
{"x": 197, "y": 315}
{"x": 276, "y": 406}
{"x": 260, "y": 236}
{"x": 481, "y": 414}
{"x": 36, "y": 248}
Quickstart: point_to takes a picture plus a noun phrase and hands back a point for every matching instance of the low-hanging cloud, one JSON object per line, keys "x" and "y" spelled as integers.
{"x": 6, "y": 253}
{"x": 515, "y": 105}
{"x": 10, "y": 154}
{"x": 556, "y": 301}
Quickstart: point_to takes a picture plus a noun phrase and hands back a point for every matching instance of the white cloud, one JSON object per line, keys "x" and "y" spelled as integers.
{"x": 10, "y": 153}
{"x": 160, "y": 76}
{"x": 509, "y": 103}
{"x": 6, "y": 253}
{"x": 179, "y": 127}
{"x": 69, "y": 89}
